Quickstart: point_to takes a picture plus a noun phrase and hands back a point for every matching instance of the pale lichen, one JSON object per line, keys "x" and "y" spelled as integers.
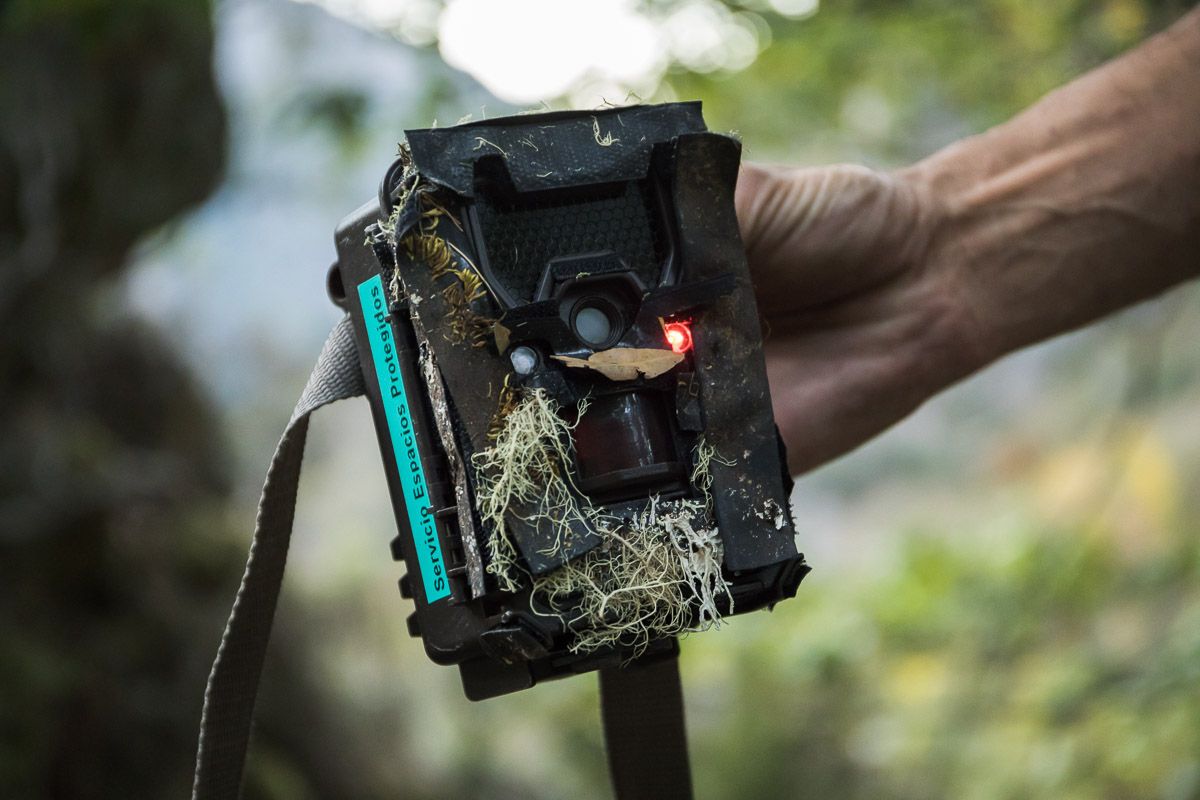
{"x": 655, "y": 574}
{"x": 607, "y": 140}
{"x": 525, "y": 474}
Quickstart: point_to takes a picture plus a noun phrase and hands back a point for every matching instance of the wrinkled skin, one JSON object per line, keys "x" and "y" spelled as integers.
{"x": 838, "y": 257}
{"x": 877, "y": 290}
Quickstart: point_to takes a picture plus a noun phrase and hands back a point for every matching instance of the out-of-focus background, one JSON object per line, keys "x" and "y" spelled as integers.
{"x": 1006, "y": 602}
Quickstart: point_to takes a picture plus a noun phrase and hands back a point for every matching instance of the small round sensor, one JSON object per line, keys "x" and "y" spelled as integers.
{"x": 524, "y": 360}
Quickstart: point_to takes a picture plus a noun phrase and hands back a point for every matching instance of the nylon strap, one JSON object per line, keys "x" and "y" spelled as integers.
{"x": 641, "y": 705}
{"x": 233, "y": 683}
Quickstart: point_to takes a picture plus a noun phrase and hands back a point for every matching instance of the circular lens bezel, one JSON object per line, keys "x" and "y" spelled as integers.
{"x": 616, "y": 321}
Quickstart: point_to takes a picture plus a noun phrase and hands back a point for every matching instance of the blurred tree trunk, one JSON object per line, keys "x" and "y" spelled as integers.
{"x": 110, "y": 484}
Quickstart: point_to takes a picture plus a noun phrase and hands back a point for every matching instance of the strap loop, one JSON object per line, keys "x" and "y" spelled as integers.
{"x": 233, "y": 683}
{"x": 641, "y": 705}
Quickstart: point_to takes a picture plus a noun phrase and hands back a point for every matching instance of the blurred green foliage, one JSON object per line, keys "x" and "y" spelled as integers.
{"x": 1051, "y": 667}
{"x": 891, "y": 81}
{"x": 1027, "y": 626}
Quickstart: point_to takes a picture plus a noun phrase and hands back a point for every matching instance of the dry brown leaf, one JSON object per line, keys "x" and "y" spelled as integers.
{"x": 624, "y": 363}
{"x": 501, "y": 335}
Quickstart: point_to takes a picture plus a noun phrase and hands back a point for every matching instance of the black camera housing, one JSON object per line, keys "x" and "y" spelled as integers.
{"x": 591, "y": 232}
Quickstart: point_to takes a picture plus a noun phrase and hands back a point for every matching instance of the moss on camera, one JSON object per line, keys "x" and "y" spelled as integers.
{"x": 655, "y": 574}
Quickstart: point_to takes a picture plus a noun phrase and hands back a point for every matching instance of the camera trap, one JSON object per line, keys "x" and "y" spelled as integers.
{"x": 562, "y": 351}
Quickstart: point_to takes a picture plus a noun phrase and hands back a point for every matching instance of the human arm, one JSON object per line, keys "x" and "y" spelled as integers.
{"x": 880, "y": 290}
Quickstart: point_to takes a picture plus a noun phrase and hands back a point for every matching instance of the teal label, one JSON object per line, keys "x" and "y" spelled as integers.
{"x": 399, "y": 422}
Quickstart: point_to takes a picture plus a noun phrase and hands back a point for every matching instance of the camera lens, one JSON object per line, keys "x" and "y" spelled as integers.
{"x": 592, "y": 325}
{"x": 595, "y": 322}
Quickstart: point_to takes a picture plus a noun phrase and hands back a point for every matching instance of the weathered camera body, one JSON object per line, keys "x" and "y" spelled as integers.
{"x": 563, "y": 358}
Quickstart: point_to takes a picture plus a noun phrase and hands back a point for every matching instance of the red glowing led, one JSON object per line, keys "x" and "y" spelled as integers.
{"x": 679, "y": 336}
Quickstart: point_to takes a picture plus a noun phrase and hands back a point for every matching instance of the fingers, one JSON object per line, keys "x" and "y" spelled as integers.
{"x": 830, "y": 252}
{"x": 819, "y": 235}
{"x": 834, "y": 390}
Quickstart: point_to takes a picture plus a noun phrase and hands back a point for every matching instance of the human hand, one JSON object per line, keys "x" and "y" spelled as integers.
{"x": 861, "y": 326}
{"x": 878, "y": 290}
